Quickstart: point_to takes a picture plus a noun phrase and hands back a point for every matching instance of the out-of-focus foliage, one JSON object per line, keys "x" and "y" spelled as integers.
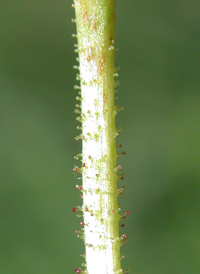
{"x": 159, "y": 56}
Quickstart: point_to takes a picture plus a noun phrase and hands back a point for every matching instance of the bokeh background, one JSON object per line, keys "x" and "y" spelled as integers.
{"x": 159, "y": 56}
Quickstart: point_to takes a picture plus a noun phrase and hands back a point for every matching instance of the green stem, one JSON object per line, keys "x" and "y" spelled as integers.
{"x": 95, "y": 21}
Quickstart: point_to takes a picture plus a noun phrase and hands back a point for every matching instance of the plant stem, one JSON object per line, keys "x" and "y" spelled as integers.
{"x": 95, "y": 21}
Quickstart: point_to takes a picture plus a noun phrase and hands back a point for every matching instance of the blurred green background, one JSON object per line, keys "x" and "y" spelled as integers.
{"x": 159, "y": 56}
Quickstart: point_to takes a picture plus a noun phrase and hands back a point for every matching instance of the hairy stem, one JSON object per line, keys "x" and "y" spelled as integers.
{"x": 95, "y": 21}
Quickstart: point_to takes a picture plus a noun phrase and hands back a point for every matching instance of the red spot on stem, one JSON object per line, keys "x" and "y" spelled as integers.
{"x": 77, "y": 270}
